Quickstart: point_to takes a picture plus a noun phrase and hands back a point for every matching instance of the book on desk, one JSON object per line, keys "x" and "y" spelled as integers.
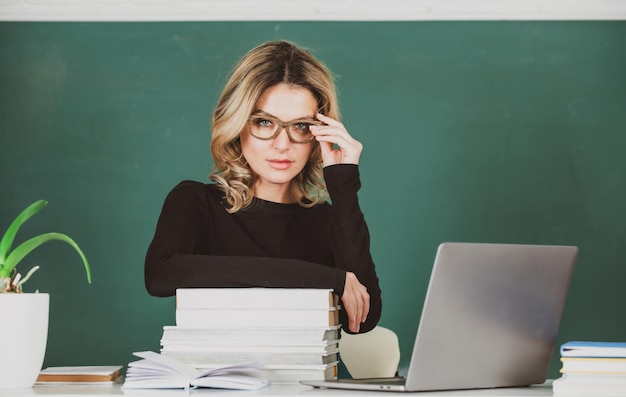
{"x": 155, "y": 371}
{"x": 86, "y": 374}
{"x": 592, "y": 368}
{"x": 256, "y": 298}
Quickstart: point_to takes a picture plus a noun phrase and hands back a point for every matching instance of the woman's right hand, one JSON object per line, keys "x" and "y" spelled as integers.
{"x": 336, "y": 143}
{"x": 356, "y": 302}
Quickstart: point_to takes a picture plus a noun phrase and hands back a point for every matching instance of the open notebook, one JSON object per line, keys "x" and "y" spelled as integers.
{"x": 490, "y": 319}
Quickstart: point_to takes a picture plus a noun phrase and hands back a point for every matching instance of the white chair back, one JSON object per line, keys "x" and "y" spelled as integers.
{"x": 374, "y": 354}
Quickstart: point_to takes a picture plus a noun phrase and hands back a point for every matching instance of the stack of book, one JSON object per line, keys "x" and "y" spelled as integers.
{"x": 592, "y": 369}
{"x": 290, "y": 334}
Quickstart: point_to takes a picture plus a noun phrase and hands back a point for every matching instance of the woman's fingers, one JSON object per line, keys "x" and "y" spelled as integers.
{"x": 355, "y": 300}
{"x": 338, "y": 146}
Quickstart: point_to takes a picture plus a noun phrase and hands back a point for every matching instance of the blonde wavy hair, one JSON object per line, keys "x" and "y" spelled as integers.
{"x": 269, "y": 64}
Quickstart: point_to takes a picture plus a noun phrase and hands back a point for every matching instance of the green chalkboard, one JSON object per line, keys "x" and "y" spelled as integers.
{"x": 473, "y": 131}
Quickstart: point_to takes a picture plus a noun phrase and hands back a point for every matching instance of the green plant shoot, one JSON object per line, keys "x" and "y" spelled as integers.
{"x": 10, "y": 259}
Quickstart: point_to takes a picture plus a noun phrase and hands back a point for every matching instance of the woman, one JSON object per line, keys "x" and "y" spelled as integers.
{"x": 278, "y": 148}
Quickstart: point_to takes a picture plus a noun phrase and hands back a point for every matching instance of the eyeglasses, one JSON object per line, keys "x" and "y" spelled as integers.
{"x": 267, "y": 127}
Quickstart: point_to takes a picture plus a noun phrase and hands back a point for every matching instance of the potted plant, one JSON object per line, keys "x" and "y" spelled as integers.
{"x": 24, "y": 330}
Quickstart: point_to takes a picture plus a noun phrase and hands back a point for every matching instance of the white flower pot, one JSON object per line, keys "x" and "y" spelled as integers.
{"x": 23, "y": 337}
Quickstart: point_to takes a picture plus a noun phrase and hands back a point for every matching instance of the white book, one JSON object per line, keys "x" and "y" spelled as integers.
{"x": 595, "y": 385}
{"x": 281, "y": 375}
{"x": 236, "y": 349}
{"x": 250, "y": 335}
{"x": 212, "y": 359}
{"x": 156, "y": 371}
{"x": 256, "y": 318}
{"x": 296, "y": 373}
{"x": 595, "y": 365}
{"x": 255, "y": 298}
{"x": 248, "y": 342}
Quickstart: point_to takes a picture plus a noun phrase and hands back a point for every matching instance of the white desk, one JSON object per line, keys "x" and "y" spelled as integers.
{"x": 275, "y": 390}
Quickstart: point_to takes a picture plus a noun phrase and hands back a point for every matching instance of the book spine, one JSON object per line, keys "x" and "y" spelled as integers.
{"x": 208, "y": 360}
{"x": 255, "y": 298}
{"x": 250, "y": 349}
{"x": 220, "y": 318}
{"x": 593, "y": 365}
{"x": 272, "y": 335}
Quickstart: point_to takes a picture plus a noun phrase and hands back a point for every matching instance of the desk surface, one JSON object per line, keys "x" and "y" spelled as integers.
{"x": 274, "y": 390}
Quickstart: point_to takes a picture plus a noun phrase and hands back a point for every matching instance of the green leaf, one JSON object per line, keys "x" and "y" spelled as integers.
{"x": 9, "y": 235}
{"x": 26, "y": 247}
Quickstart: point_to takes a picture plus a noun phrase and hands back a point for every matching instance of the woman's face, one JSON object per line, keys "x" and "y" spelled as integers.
{"x": 278, "y": 160}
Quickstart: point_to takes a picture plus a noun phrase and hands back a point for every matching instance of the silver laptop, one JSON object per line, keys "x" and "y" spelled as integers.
{"x": 490, "y": 319}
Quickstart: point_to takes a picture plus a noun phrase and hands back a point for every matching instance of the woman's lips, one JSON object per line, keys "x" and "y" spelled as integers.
{"x": 280, "y": 164}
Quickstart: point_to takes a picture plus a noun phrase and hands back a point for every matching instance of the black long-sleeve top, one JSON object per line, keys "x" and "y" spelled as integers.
{"x": 199, "y": 244}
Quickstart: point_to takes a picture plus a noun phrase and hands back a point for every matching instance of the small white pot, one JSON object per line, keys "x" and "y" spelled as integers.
{"x": 23, "y": 338}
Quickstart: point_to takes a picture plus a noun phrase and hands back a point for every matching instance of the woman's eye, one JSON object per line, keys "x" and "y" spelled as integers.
{"x": 302, "y": 127}
{"x": 264, "y": 123}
